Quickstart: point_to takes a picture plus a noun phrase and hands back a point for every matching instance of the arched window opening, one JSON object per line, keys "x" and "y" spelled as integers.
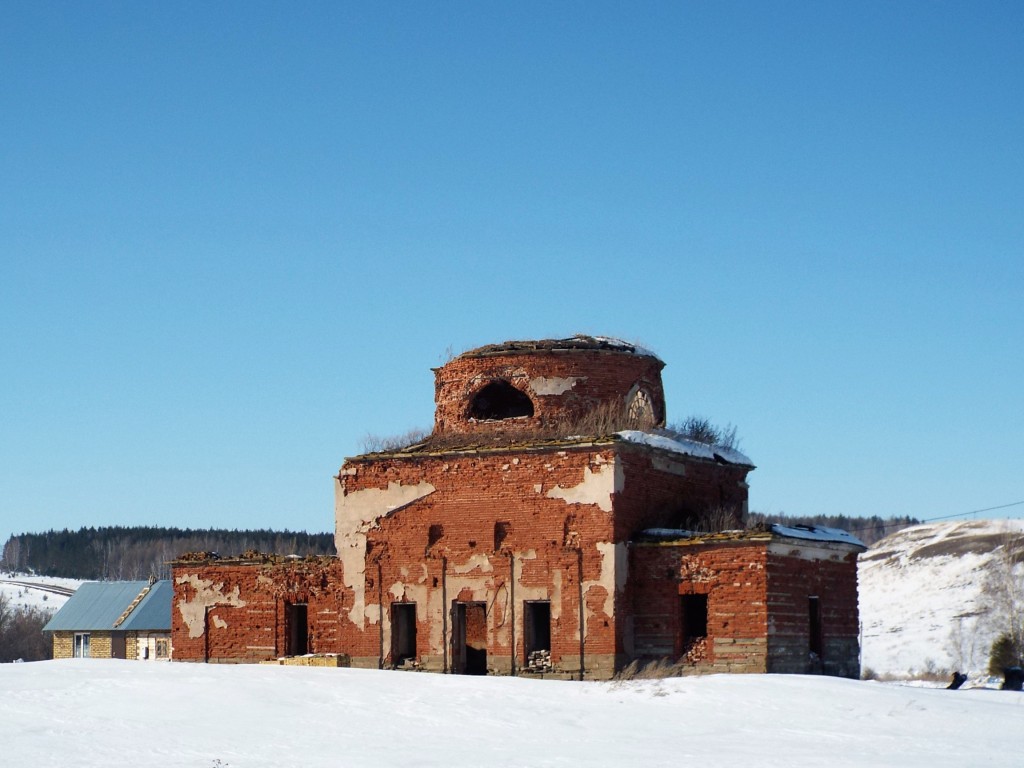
{"x": 641, "y": 411}
{"x": 500, "y": 400}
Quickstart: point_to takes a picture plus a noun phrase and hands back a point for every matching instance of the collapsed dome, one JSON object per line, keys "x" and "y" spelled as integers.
{"x": 520, "y": 386}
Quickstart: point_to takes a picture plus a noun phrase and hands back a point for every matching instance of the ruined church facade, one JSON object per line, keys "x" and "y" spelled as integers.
{"x": 545, "y": 526}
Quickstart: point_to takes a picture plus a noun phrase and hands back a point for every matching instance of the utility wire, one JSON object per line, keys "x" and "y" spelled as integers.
{"x": 935, "y": 519}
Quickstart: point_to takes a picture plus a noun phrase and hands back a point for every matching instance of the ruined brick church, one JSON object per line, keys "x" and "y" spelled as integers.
{"x": 550, "y": 525}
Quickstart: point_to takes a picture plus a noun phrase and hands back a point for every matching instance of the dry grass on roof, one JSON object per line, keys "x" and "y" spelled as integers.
{"x": 597, "y": 425}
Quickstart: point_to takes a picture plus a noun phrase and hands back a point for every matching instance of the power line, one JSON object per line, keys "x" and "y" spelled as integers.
{"x": 935, "y": 519}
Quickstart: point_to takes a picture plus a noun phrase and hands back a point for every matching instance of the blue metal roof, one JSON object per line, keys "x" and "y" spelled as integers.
{"x": 154, "y": 612}
{"x": 97, "y": 605}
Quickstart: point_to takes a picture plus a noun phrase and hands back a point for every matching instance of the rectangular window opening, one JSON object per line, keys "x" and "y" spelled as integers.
{"x": 814, "y": 626}
{"x": 435, "y": 534}
{"x": 693, "y": 614}
{"x": 163, "y": 648}
{"x": 403, "y": 632}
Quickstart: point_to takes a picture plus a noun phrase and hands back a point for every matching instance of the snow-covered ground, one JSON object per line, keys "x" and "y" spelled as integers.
{"x": 96, "y": 713}
{"x": 28, "y": 591}
{"x": 922, "y": 592}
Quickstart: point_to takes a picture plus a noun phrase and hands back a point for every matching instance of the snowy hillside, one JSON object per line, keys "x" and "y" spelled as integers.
{"x": 93, "y": 714}
{"x": 921, "y": 596}
{"x": 43, "y": 592}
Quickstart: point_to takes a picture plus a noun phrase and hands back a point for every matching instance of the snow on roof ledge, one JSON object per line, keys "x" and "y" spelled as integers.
{"x": 817, "y": 533}
{"x": 688, "y": 447}
{"x": 758, "y": 533}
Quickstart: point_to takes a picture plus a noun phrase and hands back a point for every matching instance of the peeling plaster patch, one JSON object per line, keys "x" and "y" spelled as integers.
{"x": 481, "y": 561}
{"x": 538, "y": 488}
{"x": 614, "y": 571}
{"x": 597, "y": 487}
{"x": 665, "y": 465}
{"x": 207, "y": 595}
{"x": 355, "y": 514}
{"x": 613, "y": 576}
{"x": 515, "y": 461}
{"x": 554, "y": 385}
{"x": 218, "y": 622}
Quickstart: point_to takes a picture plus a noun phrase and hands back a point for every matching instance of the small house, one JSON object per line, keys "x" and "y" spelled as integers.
{"x": 115, "y": 620}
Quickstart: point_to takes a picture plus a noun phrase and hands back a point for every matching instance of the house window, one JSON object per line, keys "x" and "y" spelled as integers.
{"x": 81, "y": 647}
{"x": 163, "y": 648}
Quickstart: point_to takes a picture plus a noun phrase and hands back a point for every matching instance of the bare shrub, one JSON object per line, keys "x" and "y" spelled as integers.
{"x": 702, "y": 430}
{"x": 1003, "y": 590}
{"x": 601, "y": 421}
{"x": 21, "y": 633}
{"x": 656, "y": 669}
{"x": 378, "y": 444}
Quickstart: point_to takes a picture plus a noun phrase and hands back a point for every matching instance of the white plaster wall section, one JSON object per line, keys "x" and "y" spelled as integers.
{"x": 479, "y": 562}
{"x": 662, "y": 464}
{"x": 218, "y": 622}
{"x": 207, "y": 595}
{"x": 817, "y": 551}
{"x": 355, "y": 513}
{"x": 554, "y": 385}
{"x": 612, "y": 577}
{"x": 597, "y": 487}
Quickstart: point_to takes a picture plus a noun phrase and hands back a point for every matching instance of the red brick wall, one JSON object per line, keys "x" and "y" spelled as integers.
{"x": 472, "y": 493}
{"x": 602, "y": 377}
{"x": 235, "y": 611}
{"x": 654, "y": 497}
{"x": 831, "y": 575}
{"x": 732, "y": 575}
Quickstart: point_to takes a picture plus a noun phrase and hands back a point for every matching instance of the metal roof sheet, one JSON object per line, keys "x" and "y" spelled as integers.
{"x": 154, "y": 612}
{"x": 97, "y": 605}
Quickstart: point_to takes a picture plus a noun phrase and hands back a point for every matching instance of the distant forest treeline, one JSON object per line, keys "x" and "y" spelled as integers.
{"x": 136, "y": 553}
{"x": 867, "y": 529}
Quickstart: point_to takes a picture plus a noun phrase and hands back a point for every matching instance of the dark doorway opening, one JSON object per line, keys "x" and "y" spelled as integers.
{"x": 693, "y": 615}
{"x": 469, "y": 638}
{"x": 296, "y": 629}
{"x": 500, "y": 400}
{"x": 403, "y": 632}
{"x": 814, "y": 626}
{"x": 537, "y": 627}
{"x": 537, "y": 635}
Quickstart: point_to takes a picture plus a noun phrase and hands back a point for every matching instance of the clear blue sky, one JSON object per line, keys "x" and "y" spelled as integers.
{"x": 235, "y": 237}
